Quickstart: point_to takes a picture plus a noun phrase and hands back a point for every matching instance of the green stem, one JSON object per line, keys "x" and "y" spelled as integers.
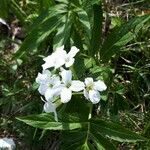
{"x": 89, "y": 125}
{"x": 74, "y": 72}
{"x": 79, "y": 93}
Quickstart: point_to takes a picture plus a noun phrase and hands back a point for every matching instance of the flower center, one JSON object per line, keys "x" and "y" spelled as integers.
{"x": 68, "y": 84}
{"x": 67, "y": 59}
{"x": 50, "y": 85}
{"x": 89, "y": 87}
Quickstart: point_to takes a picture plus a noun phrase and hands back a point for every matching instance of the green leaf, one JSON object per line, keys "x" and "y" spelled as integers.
{"x": 78, "y": 105}
{"x": 119, "y": 103}
{"x": 78, "y": 131}
{"x": 38, "y": 35}
{"x": 89, "y": 62}
{"x": 100, "y": 141}
{"x": 16, "y": 9}
{"x": 63, "y": 1}
{"x": 47, "y": 14}
{"x": 85, "y": 22}
{"x": 77, "y": 38}
{"x": 73, "y": 139}
{"x": 45, "y": 24}
{"x": 121, "y": 36}
{"x": 97, "y": 29}
{"x": 115, "y": 131}
{"x": 4, "y": 5}
{"x": 63, "y": 31}
{"x": 46, "y": 121}
{"x": 79, "y": 67}
{"x": 46, "y": 4}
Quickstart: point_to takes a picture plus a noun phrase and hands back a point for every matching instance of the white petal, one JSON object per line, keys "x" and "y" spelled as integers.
{"x": 57, "y": 90}
{"x": 89, "y": 81}
{"x": 49, "y": 107}
{"x": 74, "y": 50}
{"x": 46, "y": 72}
{"x": 55, "y": 80}
{"x": 66, "y": 76}
{"x": 60, "y": 62}
{"x": 77, "y": 86}
{"x": 86, "y": 94}
{"x": 94, "y": 96}
{"x": 42, "y": 89}
{"x": 57, "y": 59}
{"x": 69, "y": 62}
{"x": 100, "y": 85}
{"x": 49, "y": 94}
{"x": 42, "y": 78}
{"x": 66, "y": 95}
{"x": 48, "y": 58}
{"x": 49, "y": 61}
{"x": 39, "y": 78}
{"x": 60, "y": 58}
{"x": 47, "y": 65}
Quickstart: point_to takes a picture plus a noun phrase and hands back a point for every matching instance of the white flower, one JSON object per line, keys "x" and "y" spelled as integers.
{"x": 69, "y": 86}
{"x": 42, "y": 80}
{"x": 50, "y": 107}
{"x": 69, "y": 60}
{"x": 43, "y": 77}
{"x": 60, "y": 57}
{"x": 49, "y": 85}
{"x": 54, "y": 92}
{"x": 92, "y": 89}
{"x": 56, "y": 59}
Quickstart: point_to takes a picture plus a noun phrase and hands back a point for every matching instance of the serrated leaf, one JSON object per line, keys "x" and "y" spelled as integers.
{"x": 84, "y": 20}
{"x": 77, "y": 38}
{"x": 38, "y": 35}
{"x": 115, "y": 131}
{"x": 97, "y": 29}
{"x": 46, "y": 3}
{"x": 47, "y": 122}
{"x": 4, "y": 6}
{"x": 81, "y": 135}
{"x": 47, "y": 14}
{"x": 100, "y": 141}
{"x": 63, "y": 31}
{"x": 16, "y": 9}
{"x": 75, "y": 141}
{"x": 121, "y": 36}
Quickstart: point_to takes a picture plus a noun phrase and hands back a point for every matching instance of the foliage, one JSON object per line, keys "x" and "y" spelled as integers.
{"x": 120, "y": 57}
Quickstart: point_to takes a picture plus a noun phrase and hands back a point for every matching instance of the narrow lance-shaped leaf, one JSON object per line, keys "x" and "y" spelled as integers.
{"x": 16, "y": 9}
{"x": 121, "y": 36}
{"x": 47, "y": 122}
{"x": 47, "y": 14}
{"x": 84, "y": 20}
{"x": 46, "y": 4}
{"x": 100, "y": 141}
{"x": 74, "y": 139}
{"x": 115, "y": 131}
{"x": 63, "y": 31}
{"x": 38, "y": 35}
{"x": 4, "y": 7}
{"x": 97, "y": 29}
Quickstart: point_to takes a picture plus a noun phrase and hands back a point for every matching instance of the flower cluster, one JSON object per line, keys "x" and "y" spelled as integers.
{"x": 55, "y": 81}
